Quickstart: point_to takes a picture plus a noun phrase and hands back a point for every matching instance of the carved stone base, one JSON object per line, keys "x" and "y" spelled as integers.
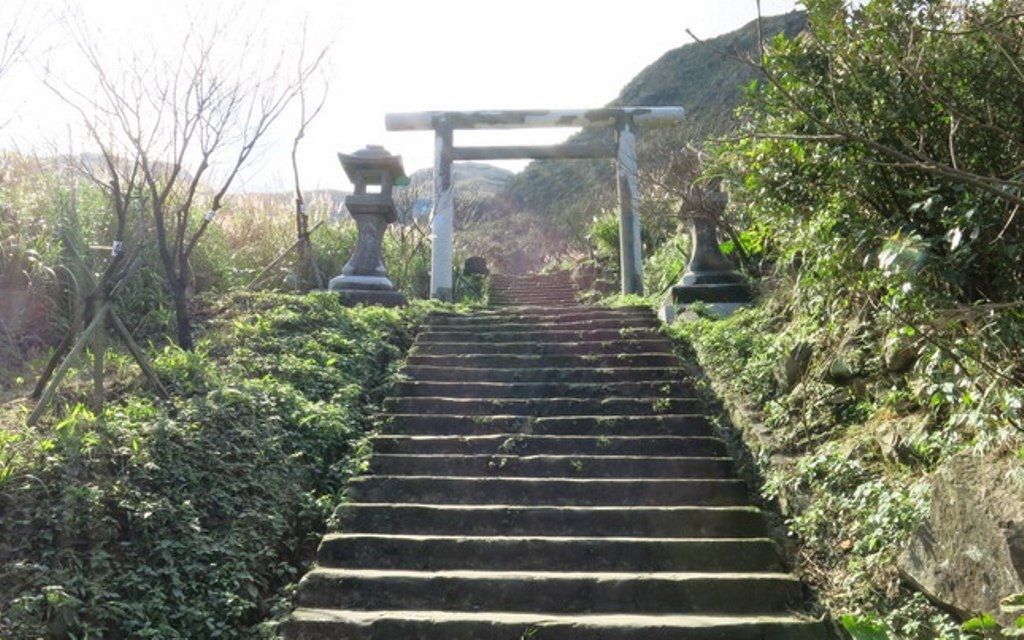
{"x": 353, "y": 297}
{"x": 716, "y": 299}
{"x": 349, "y": 282}
{"x": 732, "y": 292}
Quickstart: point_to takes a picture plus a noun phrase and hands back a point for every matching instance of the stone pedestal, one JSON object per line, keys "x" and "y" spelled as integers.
{"x": 710, "y": 277}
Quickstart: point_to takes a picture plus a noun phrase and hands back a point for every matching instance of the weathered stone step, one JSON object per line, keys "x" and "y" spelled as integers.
{"x": 524, "y": 390}
{"x": 508, "y": 361}
{"x": 541, "y": 407}
{"x": 511, "y": 325}
{"x": 548, "y": 491}
{"x": 505, "y": 278}
{"x": 524, "y": 293}
{"x": 527, "y": 286}
{"x": 456, "y": 519}
{"x": 440, "y": 373}
{"x": 523, "y": 297}
{"x": 505, "y": 553}
{"x": 530, "y": 285}
{"x": 538, "y": 315}
{"x": 611, "y": 347}
{"x": 610, "y": 592}
{"x": 463, "y": 425}
{"x": 546, "y": 335}
{"x": 324, "y": 624}
{"x": 529, "y": 444}
{"x": 548, "y": 466}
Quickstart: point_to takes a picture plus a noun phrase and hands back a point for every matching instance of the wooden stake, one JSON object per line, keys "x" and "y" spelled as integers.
{"x": 51, "y": 389}
{"x": 136, "y": 351}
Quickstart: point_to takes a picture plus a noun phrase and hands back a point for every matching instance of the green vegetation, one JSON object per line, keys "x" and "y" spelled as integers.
{"x": 191, "y": 519}
{"x": 875, "y": 185}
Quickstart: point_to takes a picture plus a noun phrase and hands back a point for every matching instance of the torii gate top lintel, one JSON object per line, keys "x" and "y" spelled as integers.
{"x": 533, "y": 118}
{"x": 624, "y": 120}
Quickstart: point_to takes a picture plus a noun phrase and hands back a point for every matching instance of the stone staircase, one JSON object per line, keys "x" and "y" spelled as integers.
{"x": 535, "y": 290}
{"x": 545, "y": 473}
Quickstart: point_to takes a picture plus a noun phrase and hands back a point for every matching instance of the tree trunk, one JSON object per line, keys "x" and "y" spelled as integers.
{"x": 183, "y": 321}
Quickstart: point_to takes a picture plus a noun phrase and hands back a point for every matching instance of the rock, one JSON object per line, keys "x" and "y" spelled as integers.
{"x": 475, "y": 266}
{"x": 795, "y": 366}
{"x": 895, "y": 436}
{"x": 900, "y": 357}
{"x": 840, "y": 371}
{"x": 968, "y": 555}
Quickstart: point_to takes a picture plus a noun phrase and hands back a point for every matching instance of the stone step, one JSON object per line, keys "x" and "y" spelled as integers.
{"x": 530, "y": 285}
{"x": 501, "y": 360}
{"x": 324, "y": 624}
{"x": 440, "y": 373}
{"x": 547, "y": 335}
{"x": 525, "y": 390}
{"x": 543, "y": 407}
{"x": 548, "y": 466}
{"x": 549, "y": 302}
{"x": 534, "y": 315}
{"x": 563, "y": 592}
{"x": 516, "y": 293}
{"x": 462, "y": 425}
{"x": 486, "y": 520}
{"x": 511, "y": 325}
{"x": 529, "y": 444}
{"x": 526, "y": 286}
{"x": 506, "y": 553}
{"x": 558, "y": 276}
{"x": 548, "y": 491}
{"x": 532, "y": 288}
{"x": 615, "y": 347}
{"x": 526, "y": 298}
{"x": 523, "y": 297}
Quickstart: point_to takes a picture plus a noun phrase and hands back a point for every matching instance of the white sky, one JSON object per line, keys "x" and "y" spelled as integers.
{"x": 391, "y": 55}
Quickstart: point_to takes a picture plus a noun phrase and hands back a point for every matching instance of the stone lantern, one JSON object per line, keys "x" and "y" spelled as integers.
{"x": 373, "y": 171}
{"x": 710, "y": 277}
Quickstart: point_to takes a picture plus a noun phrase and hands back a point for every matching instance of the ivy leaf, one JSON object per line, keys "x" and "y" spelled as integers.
{"x": 861, "y": 628}
{"x": 980, "y": 623}
{"x": 954, "y": 237}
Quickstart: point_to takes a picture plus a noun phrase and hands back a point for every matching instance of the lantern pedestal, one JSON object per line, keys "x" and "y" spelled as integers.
{"x": 710, "y": 277}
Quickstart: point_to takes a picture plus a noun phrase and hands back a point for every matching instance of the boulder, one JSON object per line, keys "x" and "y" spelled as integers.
{"x": 475, "y": 266}
{"x": 794, "y": 367}
{"x": 968, "y": 555}
{"x": 901, "y": 356}
{"x": 840, "y": 371}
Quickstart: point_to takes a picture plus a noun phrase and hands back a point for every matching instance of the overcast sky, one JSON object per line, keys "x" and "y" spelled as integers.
{"x": 389, "y": 55}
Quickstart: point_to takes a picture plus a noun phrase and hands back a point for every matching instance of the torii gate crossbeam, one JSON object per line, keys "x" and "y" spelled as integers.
{"x": 623, "y": 119}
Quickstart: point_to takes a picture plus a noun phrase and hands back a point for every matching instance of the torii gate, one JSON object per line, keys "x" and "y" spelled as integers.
{"x": 623, "y": 119}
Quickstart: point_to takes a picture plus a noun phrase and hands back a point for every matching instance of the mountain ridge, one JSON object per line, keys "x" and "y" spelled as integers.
{"x": 574, "y": 190}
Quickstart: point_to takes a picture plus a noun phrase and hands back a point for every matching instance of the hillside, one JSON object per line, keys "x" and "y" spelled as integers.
{"x": 469, "y": 177}
{"x": 706, "y": 78}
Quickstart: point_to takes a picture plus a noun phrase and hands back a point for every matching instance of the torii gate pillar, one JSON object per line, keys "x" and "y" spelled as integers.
{"x": 631, "y": 263}
{"x": 625, "y": 121}
{"x": 442, "y": 221}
